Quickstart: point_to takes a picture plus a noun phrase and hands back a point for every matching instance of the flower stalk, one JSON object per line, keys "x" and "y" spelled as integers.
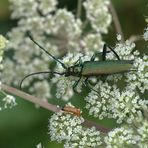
{"x": 48, "y": 106}
{"x": 116, "y": 21}
{"x": 79, "y": 8}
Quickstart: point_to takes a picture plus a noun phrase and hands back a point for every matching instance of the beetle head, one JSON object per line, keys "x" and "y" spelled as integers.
{"x": 73, "y": 71}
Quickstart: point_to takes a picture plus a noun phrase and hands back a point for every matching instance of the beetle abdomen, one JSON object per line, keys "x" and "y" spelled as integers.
{"x": 96, "y": 68}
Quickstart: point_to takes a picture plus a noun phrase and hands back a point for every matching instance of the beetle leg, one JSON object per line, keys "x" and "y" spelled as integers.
{"x": 105, "y": 50}
{"x": 79, "y": 60}
{"x": 75, "y": 85}
{"x": 104, "y": 53}
{"x": 99, "y": 55}
{"x": 76, "y": 62}
{"x": 86, "y": 80}
{"x": 93, "y": 57}
{"x": 86, "y": 83}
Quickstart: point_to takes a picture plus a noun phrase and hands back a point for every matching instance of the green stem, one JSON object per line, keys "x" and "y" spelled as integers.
{"x": 85, "y": 24}
{"x": 2, "y": 94}
{"x": 49, "y": 106}
{"x": 79, "y": 8}
{"x": 116, "y": 21}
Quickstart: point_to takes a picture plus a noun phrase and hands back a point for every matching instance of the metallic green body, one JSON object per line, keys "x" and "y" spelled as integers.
{"x": 97, "y": 68}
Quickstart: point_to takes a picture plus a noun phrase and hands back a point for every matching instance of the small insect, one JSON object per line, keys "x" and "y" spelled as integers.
{"x": 90, "y": 68}
{"x": 72, "y": 110}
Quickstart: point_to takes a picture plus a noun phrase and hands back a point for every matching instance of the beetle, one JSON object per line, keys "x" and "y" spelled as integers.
{"x": 88, "y": 68}
{"x": 72, "y": 110}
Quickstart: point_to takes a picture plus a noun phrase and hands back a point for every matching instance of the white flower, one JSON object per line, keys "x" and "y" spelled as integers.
{"x": 22, "y": 8}
{"x": 87, "y": 138}
{"x": 39, "y": 146}
{"x": 143, "y": 133}
{"x": 111, "y": 102}
{"x": 66, "y": 25}
{"x": 66, "y": 28}
{"x": 98, "y": 14}
{"x": 138, "y": 78}
{"x": 97, "y": 103}
{"x": 3, "y": 42}
{"x": 67, "y": 128}
{"x": 64, "y": 126}
{"x": 124, "y": 50}
{"x": 126, "y": 105}
{"x": 120, "y": 137}
{"x": 9, "y": 101}
{"x": 130, "y": 135}
{"x": 146, "y": 34}
{"x": 47, "y": 6}
{"x": 41, "y": 89}
{"x": 119, "y": 37}
{"x": 92, "y": 42}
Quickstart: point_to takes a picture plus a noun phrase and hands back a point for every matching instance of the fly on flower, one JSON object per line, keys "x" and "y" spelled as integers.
{"x": 89, "y": 68}
{"x": 72, "y": 110}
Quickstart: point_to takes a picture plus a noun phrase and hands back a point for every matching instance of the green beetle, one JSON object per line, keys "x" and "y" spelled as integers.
{"x": 89, "y": 68}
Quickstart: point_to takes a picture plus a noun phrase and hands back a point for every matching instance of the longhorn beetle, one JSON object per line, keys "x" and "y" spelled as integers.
{"x": 88, "y": 68}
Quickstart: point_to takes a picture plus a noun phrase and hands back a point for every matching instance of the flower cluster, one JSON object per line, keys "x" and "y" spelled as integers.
{"x": 7, "y": 101}
{"x": 67, "y": 127}
{"x": 86, "y": 138}
{"x": 146, "y": 34}
{"x": 97, "y": 103}
{"x": 3, "y": 43}
{"x": 146, "y": 31}
{"x": 98, "y": 15}
{"x": 66, "y": 27}
{"x": 21, "y": 9}
{"x": 58, "y": 30}
{"x": 92, "y": 42}
{"x": 120, "y": 137}
{"x": 111, "y": 102}
{"x": 139, "y": 77}
{"x": 142, "y": 131}
{"x": 64, "y": 126}
{"x": 135, "y": 135}
{"x": 126, "y": 106}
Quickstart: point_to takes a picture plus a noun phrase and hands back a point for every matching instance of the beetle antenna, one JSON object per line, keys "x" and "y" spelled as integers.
{"x": 45, "y": 50}
{"x": 36, "y": 73}
{"x": 87, "y": 85}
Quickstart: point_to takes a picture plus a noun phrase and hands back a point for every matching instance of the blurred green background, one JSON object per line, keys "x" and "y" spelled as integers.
{"x": 25, "y": 126}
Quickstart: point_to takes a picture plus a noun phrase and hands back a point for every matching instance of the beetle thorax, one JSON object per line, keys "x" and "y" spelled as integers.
{"x": 73, "y": 71}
